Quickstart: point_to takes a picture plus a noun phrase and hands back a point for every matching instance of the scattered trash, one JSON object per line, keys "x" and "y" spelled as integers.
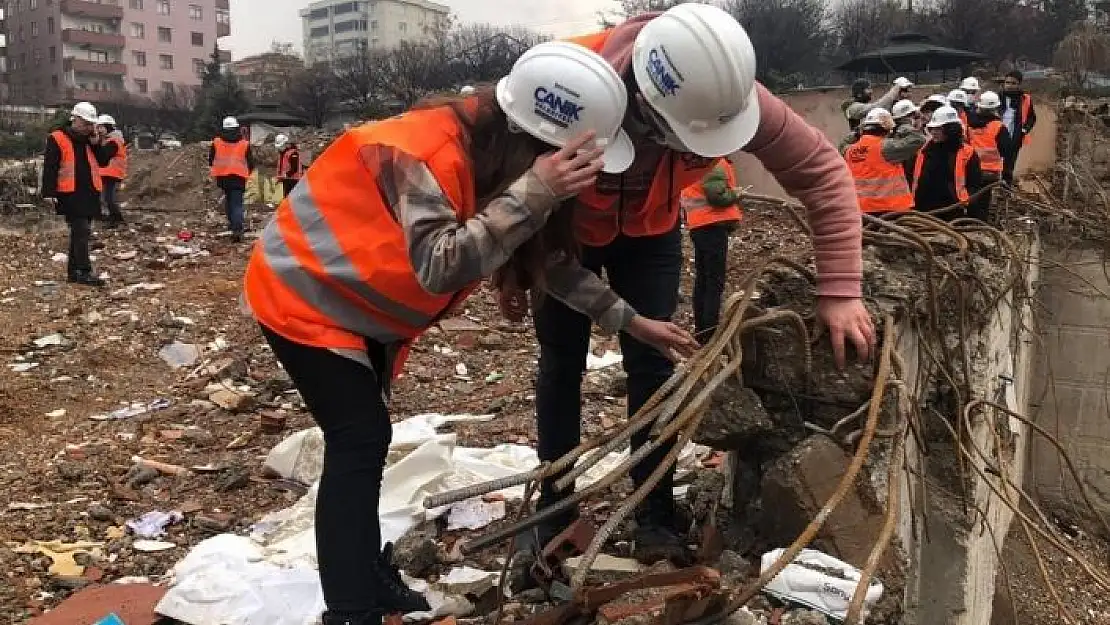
{"x": 465, "y": 580}
{"x": 460, "y": 369}
{"x": 608, "y": 359}
{"x": 62, "y": 554}
{"x": 56, "y": 414}
{"x": 111, "y": 619}
{"x": 133, "y": 410}
{"x": 474, "y": 514}
{"x": 125, "y": 256}
{"x": 178, "y": 355}
{"x": 818, "y": 581}
{"x": 151, "y": 546}
{"x": 51, "y": 340}
{"x": 59, "y": 257}
{"x": 153, "y": 524}
{"x": 494, "y": 377}
{"x": 16, "y": 505}
{"x": 23, "y": 367}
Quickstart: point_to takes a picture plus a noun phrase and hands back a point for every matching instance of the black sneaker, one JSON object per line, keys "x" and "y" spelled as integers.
{"x": 86, "y": 278}
{"x": 345, "y": 618}
{"x": 236, "y": 237}
{"x": 527, "y": 548}
{"x": 392, "y": 594}
{"x": 659, "y": 536}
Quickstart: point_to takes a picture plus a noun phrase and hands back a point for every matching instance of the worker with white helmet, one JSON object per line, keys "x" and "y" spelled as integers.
{"x": 72, "y": 184}
{"x": 861, "y": 102}
{"x": 876, "y": 161}
{"x": 231, "y": 163}
{"x": 908, "y": 134}
{"x": 991, "y": 141}
{"x": 693, "y": 98}
{"x": 947, "y": 171}
{"x": 116, "y": 171}
{"x": 958, "y": 99}
{"x": 970, "y": 86}
{"x": 290, "y": 167}
{"x": 390, "y": 230}
{"x": 931, "y": 104}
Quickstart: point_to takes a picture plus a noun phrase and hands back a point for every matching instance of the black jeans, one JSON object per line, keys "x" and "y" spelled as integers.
{"x": 645, "y": 272}
{"x": 233, "y": 206}
{"x": 111, "y": 186}
{"x": 287, "y": 186}
{"x": 980, "y": 207}
{"x": 80, "y": 231}
{"x": 710, "y": 266}
{"x": 346, "y": 400}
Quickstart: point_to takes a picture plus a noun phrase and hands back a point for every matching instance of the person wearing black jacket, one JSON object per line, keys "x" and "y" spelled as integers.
{"x": 947, "y": 170}
{"x": 232, "y": 162}
{"x": 71, "y": 183}
{"x": 1019, "y": 117}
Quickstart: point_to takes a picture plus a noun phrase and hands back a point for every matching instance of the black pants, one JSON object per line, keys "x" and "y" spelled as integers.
{"x": 80, "y": 232}
{"x": 645, "y": 272}
{"x": 346, "y": 400}
{"x": 287, "y": 186}
{"x": 111, "y": 187}
{"x": 980, "y": 207}
{"x": 1009, "y": 164}
{"x": 710, "y": 265}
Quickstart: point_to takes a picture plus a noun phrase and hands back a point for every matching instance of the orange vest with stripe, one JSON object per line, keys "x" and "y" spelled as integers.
{"x": 230, "y": 159}
{"x": 283, "y": 165}
{"x": 1026, "y": 111}
{"x": 600, "y": 217}
{"x": 67, "y": 166}
{"x": 963, "y": 121}
{"x": 962, "y": 159}
{"x": 985, "y": 142}
{"x": 700, "y": 213}
{"x": 880, "y": 185}
{"x": 332, "y": 266}
{"x": 117, "y": 167}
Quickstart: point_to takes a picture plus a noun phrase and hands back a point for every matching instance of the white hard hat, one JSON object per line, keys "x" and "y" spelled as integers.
{"x": 903, "y": 108}
{"x": 943, "y": 116}
{"x": 280, "y": 141}
{"x": 989, "y": 100}
{"x": 902, "y": 82}
{"x": 970, "y": 83}
{"x": 230, "y": 123}
{"x": 106, "y": 120}
{"x": 85, "y": 111}
{"x": 695, "y": 67}
{"x": 467, "y": 90}
{"x": 957, "y": 95}
{"x": 878, "y": 116}
{"x": 938, "y": 98}
{"x": 558, "y": 90}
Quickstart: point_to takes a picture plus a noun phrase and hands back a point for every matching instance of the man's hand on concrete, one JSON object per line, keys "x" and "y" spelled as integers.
{"x": 846, "y": 318}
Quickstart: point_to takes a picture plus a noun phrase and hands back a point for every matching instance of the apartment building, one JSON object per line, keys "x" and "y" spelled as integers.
{"x": 70, "y": 50}
{"x": 265, "y": 76}
{"x": 338, "y": 27}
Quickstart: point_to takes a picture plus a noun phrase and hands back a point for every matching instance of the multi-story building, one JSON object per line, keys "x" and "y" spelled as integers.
{"x": 69, "y": 50}
{"x": 265, "y": 76}
{"x": 338, "y": 27}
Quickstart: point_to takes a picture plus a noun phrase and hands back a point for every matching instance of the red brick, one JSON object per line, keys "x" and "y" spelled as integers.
{"x": 133, "y": 603}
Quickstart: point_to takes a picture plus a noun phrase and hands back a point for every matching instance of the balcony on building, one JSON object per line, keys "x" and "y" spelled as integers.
{"x": 81, "y": 8}
{"x": 95, "y": 67}
{"x": 223, "y": 21}
{"x": 87, "y": 37}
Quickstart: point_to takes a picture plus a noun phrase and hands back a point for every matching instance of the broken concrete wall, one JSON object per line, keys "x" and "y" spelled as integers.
{"x": 1070, "y": 399}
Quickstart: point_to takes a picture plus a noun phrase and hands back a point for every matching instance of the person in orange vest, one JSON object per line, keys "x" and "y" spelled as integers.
{"x": 1019, "y": 117}
{"x": 232, "y": 162}
{"x": 876, "y": 162}
{"x": 387, "y": 233}
{"x": 290, "y": 168}
{"x": 947, "y": 171}
{"x": 693, "y": 99}
{"x": 959, "y": 100}
{"x": 712, "y": 211}
{"x": 72, "y": 185}
{"x": 991, "y": 140}
{"x": 116, "y": 170}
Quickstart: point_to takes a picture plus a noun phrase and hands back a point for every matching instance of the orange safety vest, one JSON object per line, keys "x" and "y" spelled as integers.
{"x": 67, "y": 167}
{"x": 1026, "y": 111}
{"x": 600, "y": 217}
{"x": 332, "y": 267}
{"x": 699, "y": 212}
{"x": 880, "y": 185}
{"x": 230, "y": 159}
{"x": 962, "y": 159}
{"x": 117, "y": 167}
{"x": 963, "y": 121}
{"x": 283, "y": 165}
{"x": 985, "y": 142}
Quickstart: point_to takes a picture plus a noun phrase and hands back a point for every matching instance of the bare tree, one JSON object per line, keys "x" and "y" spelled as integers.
{"x": 311, "y": 93}
{"x": 356, "y": 80}
{"x": 862, "y": 25}
{"x": 1084, "y": 50}
{"x": 789, "y": 36}
{"x": 483, "y": 53}
{"x": 410, "y": 71}
{"x": 632, "y": 8}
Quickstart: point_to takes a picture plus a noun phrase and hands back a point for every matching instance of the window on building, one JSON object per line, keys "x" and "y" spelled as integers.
{"x": 199, "y": 67}
{"x": 53, "y": 54}
{"x": 50, "y": 26}
{"x": 165, "y": 35}
{"x": 34, "y": 4}
{"x": 350, "y": 25}
{"x": 198, "y": 39}
{"x": 318, "y": 14}
{"x": 54, "y": 81}
{"x": 346, "y": 7}
{"x": 167, "y": 87}
{"x": 137, "y": 5}
{"x": 163, "y": 7}
{"x": 223, "y": 16}
{"x": 196, "y": 12}
{"x": 37, "y": 55}
{"x": 319, "y": 31}
{"x": 98, "y": 56}
{"x": 373, "y": 24}
{"x": 165, "y": 61}
{"x": 140, "y": 58}
{"x": 141, "y": 85}
{"x": 138, "y": 31}
{"x": 22, "y": 36}
{"x": 34, "y": 29}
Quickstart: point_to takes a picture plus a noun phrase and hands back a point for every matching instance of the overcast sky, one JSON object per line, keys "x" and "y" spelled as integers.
{"x": 257, "y": 23}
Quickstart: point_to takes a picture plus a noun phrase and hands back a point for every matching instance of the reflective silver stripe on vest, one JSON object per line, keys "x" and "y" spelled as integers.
{"x": 695, "y": 202}
{"x": 882, "y": 187}
{"x": 325, "y": 247}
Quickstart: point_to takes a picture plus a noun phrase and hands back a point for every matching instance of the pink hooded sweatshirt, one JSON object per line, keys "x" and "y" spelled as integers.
{"x": 801, "y": 159}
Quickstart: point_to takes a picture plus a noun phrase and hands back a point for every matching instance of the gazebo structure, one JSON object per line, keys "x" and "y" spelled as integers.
{"x": 910, "y": 54}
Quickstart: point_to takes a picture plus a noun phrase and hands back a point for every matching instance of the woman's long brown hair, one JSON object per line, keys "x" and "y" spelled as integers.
{"x": 498, "y": 158}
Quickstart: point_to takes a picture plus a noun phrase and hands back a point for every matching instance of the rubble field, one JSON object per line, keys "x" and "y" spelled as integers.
{"x": 121, "y": 407}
